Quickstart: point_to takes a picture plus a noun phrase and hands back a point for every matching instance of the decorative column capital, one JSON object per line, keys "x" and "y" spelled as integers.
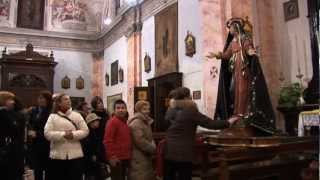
{"x": 134, "y": 28}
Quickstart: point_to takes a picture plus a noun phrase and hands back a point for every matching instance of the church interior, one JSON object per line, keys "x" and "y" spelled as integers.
{"x": 253, "y": 64}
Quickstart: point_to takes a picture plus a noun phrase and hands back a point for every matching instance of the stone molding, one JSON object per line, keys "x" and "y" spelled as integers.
{"x": 123, "y": 25}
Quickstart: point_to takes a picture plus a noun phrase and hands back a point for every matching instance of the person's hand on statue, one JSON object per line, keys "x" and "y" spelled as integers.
{"x": 212, "y": 55}
{"x": 233, "y": 120}
{"x": 252, "y": 52}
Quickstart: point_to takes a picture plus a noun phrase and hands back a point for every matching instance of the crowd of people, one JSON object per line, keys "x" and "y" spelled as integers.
{"x": 57, "y": 142}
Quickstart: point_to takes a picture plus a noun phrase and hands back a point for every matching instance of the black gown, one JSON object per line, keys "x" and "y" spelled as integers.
{"x": 261, "y": 114}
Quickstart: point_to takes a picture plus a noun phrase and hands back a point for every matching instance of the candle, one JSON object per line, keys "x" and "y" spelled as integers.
{"x": 305, "y": 58}
{"x": 297, "y": 55}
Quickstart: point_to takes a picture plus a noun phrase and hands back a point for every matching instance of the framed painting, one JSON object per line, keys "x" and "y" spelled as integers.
{"x": 121, "y": 78}
{"x": 196, "y": 95}
{"x": 106, "y": 78}
{"x": 141, "y": 93}
{"x": 291, "y": 10}
{"x": 111, "y": 100}
{"x": 147, "y": 63}
{"x": 80, "y": 83}
{"x": 190, "y": 43}
{"x": 4, "y": 10}
{"x": 114, "y": 72}
{"x": 30, "y": 14}
{"x": 65, "y": 82}
{"x": 75, "y": 101}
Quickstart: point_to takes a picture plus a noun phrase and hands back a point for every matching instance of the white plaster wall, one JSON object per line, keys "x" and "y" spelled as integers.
{"x": 191, "y": 67}
{"x": 117, "y": 51}
{"x": 73, "y": 64}
{"x": 148, "y": 46}
{"x": 294, "y": 42}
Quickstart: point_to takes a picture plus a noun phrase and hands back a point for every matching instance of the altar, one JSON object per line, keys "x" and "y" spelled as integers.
{"x": 280, "y": 158}
{"x": 251, "y": 158}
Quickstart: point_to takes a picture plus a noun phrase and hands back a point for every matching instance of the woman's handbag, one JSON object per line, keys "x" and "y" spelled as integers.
{"x": 104, "y": 170}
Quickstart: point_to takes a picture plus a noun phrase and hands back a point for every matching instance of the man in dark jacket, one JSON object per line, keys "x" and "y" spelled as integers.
{"x": 184, "y": 118}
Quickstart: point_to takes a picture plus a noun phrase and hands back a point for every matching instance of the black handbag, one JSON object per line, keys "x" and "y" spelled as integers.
{"x": 5, "y": 150}
{"x": 104, "y": 170}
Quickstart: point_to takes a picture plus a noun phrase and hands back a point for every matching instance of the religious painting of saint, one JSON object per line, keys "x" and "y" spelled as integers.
{"x": 114, "y": 73}
{"x": 291, "y": 10}
{"x": 30, "y": 14}
{"x": 166, "y": 41}
{"x": 190, "y": 43}
{"x": 4, "y": 9}
{"x": 69, "y": 14}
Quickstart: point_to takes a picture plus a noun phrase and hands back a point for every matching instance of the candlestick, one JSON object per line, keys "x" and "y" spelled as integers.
{"x": 299, "y": 75}
{"x": 305, "y": 58}
{"x": 297, "y": 54}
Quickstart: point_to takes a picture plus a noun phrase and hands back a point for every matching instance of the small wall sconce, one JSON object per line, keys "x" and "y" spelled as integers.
{"x": 106, "y": 79}
{"x": 120, "y": 74}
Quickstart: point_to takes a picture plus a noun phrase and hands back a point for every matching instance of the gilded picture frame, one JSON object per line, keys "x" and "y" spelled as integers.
{"x": 190, "y": 44}
{"x": 121, "y": 75}
{"x": 80, "y": 83}
{"x": 31, "y": 14}
{"x": 147, "y": 63}
{"x": 111, "y": 99}
{"x": 114, "y": 72}
{"x": 291, "y": 10}
{"x": 65, "y": 82}
{"x": 106, "y": 79}
{"x": 196, "y": 95}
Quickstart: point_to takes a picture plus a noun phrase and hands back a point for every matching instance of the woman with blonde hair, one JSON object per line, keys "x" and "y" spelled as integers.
{"x": 64, "y": 129}
{"x": 143, "y": 145}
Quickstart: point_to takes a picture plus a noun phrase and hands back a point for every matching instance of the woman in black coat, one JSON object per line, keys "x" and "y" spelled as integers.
{"x": 39, "y": 147}
{"x": 11, "y": 138}
{"x": 99, "y": 110}
{"x": 184, "y": 117}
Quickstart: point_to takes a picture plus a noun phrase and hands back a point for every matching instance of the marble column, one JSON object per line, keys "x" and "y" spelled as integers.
{"x": 242, "y": 8}
{"x": 212, "y": 41}
{"x": 97, "y": 77}
{"x": 134, "y": 65}
{"x": 269, "y": 50}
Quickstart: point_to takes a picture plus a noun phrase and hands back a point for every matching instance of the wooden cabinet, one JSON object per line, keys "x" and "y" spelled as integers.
{"x": 26, "y": 73}
{"x": 159, "y": 88}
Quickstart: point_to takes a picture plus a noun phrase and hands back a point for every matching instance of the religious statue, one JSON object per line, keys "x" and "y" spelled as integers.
{"x": 240, "y": 77}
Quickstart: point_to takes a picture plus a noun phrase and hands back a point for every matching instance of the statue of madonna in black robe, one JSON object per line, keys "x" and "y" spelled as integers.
{"x": 242, "y": 91}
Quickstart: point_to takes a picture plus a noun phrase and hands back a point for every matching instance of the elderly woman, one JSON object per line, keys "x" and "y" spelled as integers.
{"x": 64, "y": 129}
{"x": 143, "y": 144}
